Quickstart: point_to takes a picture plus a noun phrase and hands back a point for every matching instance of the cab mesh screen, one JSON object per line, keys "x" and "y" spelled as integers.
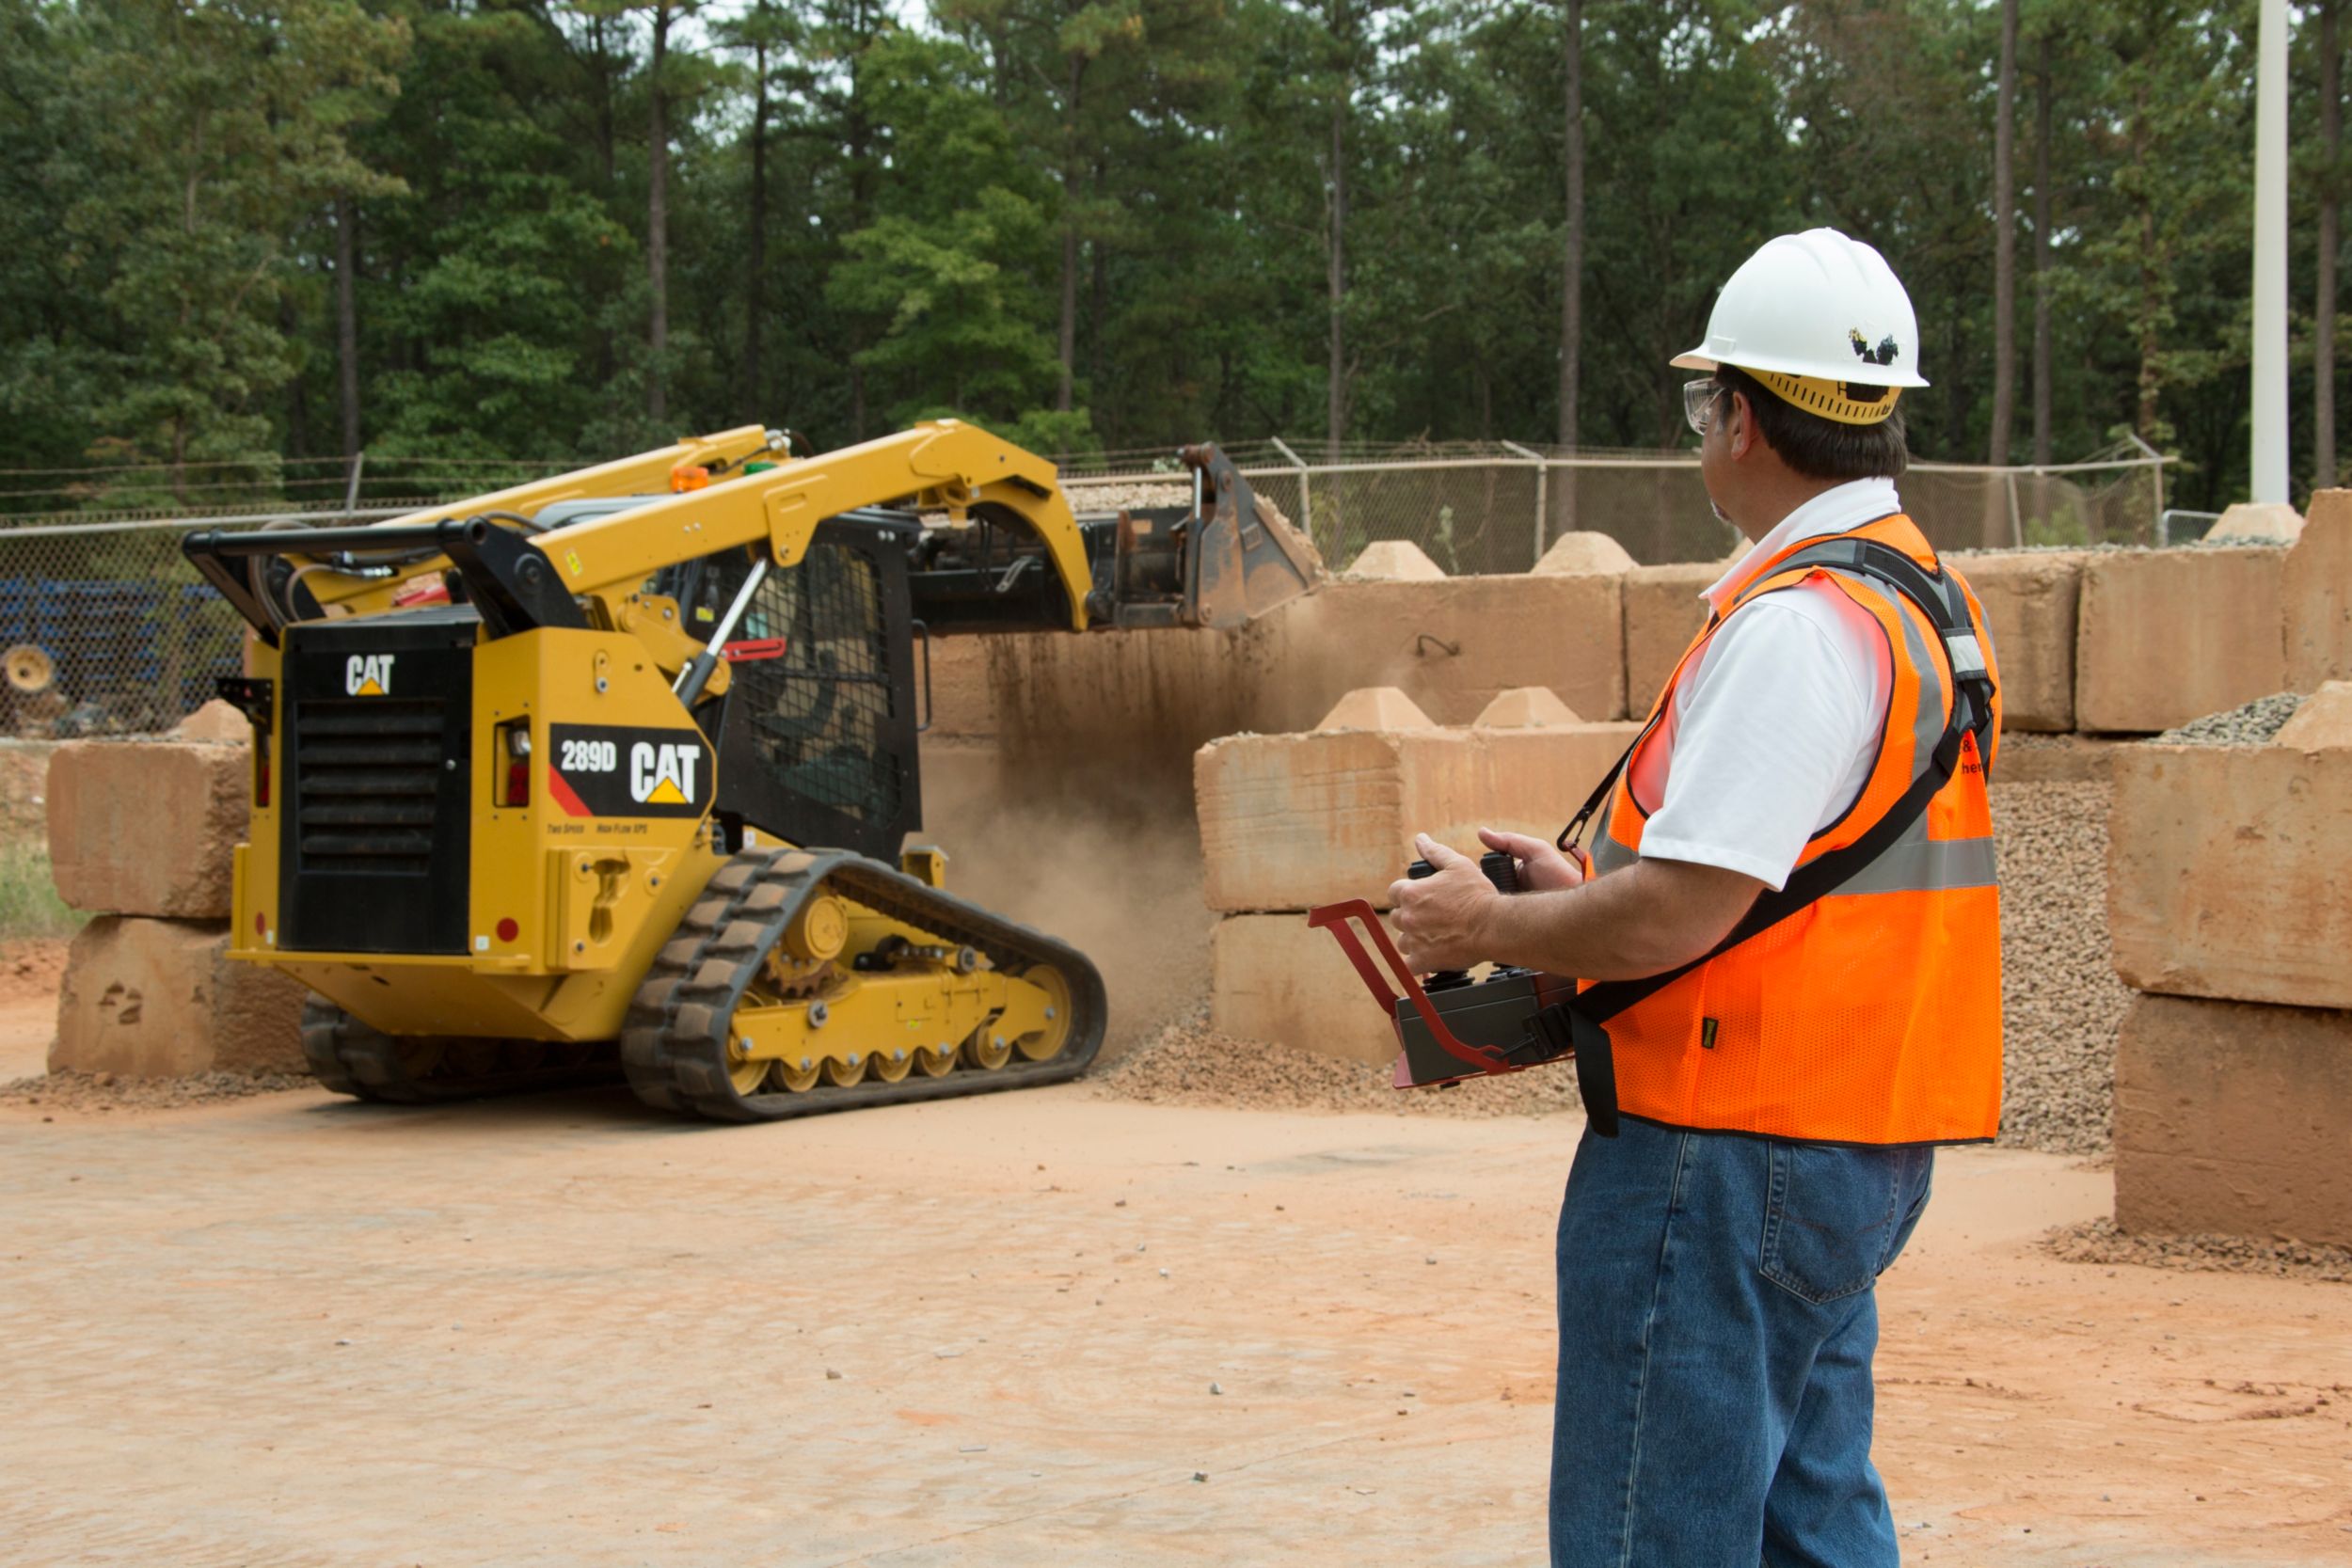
{"x": 817, "y": 709}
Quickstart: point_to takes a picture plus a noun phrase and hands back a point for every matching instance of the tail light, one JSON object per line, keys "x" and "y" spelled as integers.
{"x": 261, "y": 768}
{"x": 510, "y": 781}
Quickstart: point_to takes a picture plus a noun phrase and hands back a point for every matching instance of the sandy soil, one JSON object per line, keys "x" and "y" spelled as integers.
{"x": 293, "y": 1330}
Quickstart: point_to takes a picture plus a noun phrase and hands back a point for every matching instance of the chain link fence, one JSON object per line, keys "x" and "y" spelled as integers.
{"x": 1491, "y": 507}
{"x": 104, "y": 629}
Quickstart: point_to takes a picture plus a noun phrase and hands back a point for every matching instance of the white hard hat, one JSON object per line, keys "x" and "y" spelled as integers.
{"x": 1814, "y": 316}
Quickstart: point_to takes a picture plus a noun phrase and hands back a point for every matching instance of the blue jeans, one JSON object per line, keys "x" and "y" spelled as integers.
{"x": 1717, "y": 1320}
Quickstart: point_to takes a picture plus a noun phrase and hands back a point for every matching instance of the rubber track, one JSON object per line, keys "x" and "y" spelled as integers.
{"x": 351, "y": 1057}
{"x": 674, "y": 1044}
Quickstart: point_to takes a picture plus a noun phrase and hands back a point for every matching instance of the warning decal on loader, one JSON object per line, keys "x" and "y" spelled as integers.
{"x": 623, "y": 770}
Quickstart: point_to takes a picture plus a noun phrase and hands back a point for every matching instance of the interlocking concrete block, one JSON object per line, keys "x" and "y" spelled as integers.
{"x": 161, "y": 999}
{"x": 1582, "y": 554}
{"x": 1451, "y": 646}
{"x": 1526, "y": 707}
{"x": 2227, "y": 872}
{"x": 1662, "y": 612}
{"x": 148, "y": 826}
{"x": 963, "y": 696}
{"x": 217, "y": 722}
{"x": 2030, "y": 601}
{"x": 2166, "y": 636}
{"x": 1374, "y": 707}
{"x": 2233, "y": 1118}
{"x": 2318, "y": 593}
{"x": 1289, "y": 821}
{"x": 1395, "y": 561}
{"x": 1276, "y": 980}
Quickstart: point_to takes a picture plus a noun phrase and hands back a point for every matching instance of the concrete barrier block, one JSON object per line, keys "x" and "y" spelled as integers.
{"x": 161, "y": 999}
{"x": 1394, "y": 561}
{"x": 2319, "y": 593}
{"x": 2030, "y": 601}
{"x": 147, "y": 828}
{"x": 1274, "y": 978}
{"x": 1289, "y": 821}
{"x": 218, "y": 721}
{"x": 2233, "y": 1118}
{"x": 1579, "y": 554}
{"x": 963, "y": 696}
{"x": 2166, "y": 636}
{"x": 1526, "y": 707}
{"x": 1662, "y": 612}
{"x": 2227, "y": 872}
{"x": 1452, "y": 646}
{"x": 1374, "y": 707}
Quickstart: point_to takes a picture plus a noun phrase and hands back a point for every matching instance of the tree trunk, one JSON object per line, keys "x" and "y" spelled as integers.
{"x": 297, "y": 384}
{"x": 756, "y": 285}
{"x": 658, "y": 222}
{"x": 1562, "y": 488}
{"x": 347, "y": 318}
{"x": 1070, "y": 187}
{"x": 2041, "y": 252}
{"x": 2005, "y": 242}
{"x": 2324, "y": 311}
{"x": 2151, "y": 284}
{"x": 1335, "y": 410}
{"x": 1098, "y": 318}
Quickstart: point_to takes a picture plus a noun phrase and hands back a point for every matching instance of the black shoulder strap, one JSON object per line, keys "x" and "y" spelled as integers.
{"x": 1941, "y": 599}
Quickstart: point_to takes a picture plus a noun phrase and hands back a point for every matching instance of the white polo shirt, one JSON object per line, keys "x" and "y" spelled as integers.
{"x": 1774, "y": 732}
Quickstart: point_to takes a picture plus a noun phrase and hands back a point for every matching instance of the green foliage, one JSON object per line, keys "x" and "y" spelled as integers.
{"x": 1087, "y": 222}
{"x": 29, "y": 905}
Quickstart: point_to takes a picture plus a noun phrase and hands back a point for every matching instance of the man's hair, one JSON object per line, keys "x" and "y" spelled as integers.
{"x": 1818, "y": 448}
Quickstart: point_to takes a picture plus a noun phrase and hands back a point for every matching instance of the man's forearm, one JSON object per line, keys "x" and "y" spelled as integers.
{"x": 1652, "y": 916}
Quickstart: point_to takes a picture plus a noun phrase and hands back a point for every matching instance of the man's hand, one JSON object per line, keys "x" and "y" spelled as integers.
{"x": 1542, "y": 866}
{"x": 1440, "y": 920}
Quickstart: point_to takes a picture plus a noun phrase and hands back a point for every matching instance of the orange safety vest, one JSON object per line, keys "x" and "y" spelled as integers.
{"x": 1871, "y": 1014}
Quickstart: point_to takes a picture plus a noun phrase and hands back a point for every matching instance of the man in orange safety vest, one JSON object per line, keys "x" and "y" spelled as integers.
{"x": 1790, "y": 932}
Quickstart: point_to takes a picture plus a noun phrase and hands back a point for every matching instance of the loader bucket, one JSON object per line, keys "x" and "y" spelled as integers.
{"x": 1246, "y": 558}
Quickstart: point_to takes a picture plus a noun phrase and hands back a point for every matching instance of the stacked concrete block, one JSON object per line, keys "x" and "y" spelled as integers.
{"x": 1662, "y": 612}
{"x": 2229, "y": 902}
{"x": 2166, "y": 636}
{"x": 2319, "y": 595}
{"x": 2029, "y": 602}
{"x": 1453, "y": 646}
{"x": 1580, "y": 554}
{"x": 1291, "y": 821}
{"x": 146, "y": 831}
{"x": 148, "y": 826}
{"x": 1394, "y": 561}
{"x": 149, "y": 998}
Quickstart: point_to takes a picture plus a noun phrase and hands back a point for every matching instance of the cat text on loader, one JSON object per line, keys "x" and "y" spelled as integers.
{"x": 617, "y": 767}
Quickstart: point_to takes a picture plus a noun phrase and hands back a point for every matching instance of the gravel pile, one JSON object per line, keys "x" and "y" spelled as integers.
{"x": 2257, "y": 723}
{"x": 1188, "y": 1063}
{"x": 1095, "y": 500}
{"x": 2060, "y": 1001}
{"x": 104, "y": 1091}
{"x": 2099, "y": 1242}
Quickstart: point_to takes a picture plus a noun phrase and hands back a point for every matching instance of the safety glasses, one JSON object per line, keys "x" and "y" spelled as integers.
{"x": 1698, "y": 403}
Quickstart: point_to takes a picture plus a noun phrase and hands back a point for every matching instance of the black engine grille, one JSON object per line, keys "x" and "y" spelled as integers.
{"x": 369, "y": 768}
{"x": 375, "y": 830}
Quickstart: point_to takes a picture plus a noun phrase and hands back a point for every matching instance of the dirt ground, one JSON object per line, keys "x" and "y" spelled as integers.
{"x": 293, "y": 1330}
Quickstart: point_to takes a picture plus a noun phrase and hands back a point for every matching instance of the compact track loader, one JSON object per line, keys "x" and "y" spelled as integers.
{"x": 614, "y": 770}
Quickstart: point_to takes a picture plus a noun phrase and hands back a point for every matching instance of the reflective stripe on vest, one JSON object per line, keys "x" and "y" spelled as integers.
{"x": 1871, "y": 1015}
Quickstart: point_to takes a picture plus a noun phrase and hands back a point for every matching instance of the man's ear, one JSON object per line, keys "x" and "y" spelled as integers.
{"x": 1739, "y": 432}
